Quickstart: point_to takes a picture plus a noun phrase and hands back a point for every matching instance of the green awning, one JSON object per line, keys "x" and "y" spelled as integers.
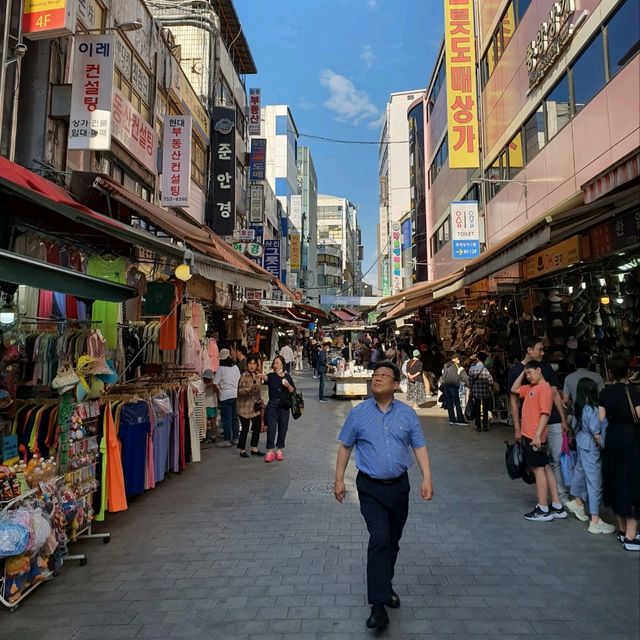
{"x": 20, "y": 269}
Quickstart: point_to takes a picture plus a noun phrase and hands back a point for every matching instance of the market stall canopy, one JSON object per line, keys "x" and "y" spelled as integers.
{"x": 20, "y": 269}
{"x": 269, "y": 315}
{"x": 342, "y": 315}
{"x": 16, "y": 180}
{"x": 314, "y": 311}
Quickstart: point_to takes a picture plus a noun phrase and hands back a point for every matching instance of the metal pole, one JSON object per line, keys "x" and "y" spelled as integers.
{"x": 3, "y": 68}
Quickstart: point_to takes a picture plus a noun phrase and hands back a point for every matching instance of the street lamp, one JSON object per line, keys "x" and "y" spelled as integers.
{"x": 130, "y": 25}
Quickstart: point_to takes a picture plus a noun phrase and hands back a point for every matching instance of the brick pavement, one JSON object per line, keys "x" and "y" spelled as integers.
{"x": 240, "y": 550}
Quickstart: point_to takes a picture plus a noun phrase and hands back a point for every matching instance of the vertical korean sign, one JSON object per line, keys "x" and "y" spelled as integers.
{"x": 258, "y": 159}
{"x": 91, "y": 91}
{"x": 462, "y": 98}
{"x": 221, "y": 213}
{"x": 396, "y": 257}
{"x": 256, "y": 204}
{"x": 294, "y": 251}
{"x": 254, "y": 112}
{"x": 176, "y": 161}
{"x": 465, "y": 230}
{"x": 271, "y": 257}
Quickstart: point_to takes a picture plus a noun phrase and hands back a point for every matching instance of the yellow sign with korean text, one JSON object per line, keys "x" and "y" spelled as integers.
{"x": 294, "y": 252}
{"x": 462, "y": 95}
{"x": 559, "y": 256}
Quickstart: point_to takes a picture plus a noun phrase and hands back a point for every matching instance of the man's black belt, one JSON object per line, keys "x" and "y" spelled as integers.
{"x": 383, "y": 480}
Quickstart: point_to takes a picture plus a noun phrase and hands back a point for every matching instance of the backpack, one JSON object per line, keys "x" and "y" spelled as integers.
{"x": 450, "y": 376}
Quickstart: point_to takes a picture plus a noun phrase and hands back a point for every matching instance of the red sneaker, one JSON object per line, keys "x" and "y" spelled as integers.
{"x": 279, "y": 456}
{"x": 270, "y": 457}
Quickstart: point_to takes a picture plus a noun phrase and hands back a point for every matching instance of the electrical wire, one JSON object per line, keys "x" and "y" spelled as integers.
{"x": 339, "y": 141}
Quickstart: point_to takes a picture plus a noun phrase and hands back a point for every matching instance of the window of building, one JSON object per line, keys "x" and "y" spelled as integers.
{"x": 494, "y": 172}
{"x": 534, "y": 134}
{"x": 515, "y": 155}
{"x": 438, "y": 161}
{"x": 441, "y": 236}
{"x": 198, "y": 161}
{"x": 282, "y": 127}
{"x": 557, "y": 107}
{"x": 623, "y": 35}
{"x": 587, "y": 74}
{"x": 437, "y": 84}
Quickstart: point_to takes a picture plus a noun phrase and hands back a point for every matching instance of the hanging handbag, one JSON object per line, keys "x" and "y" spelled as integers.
{"x": 470, "y": 409}
{"x": 297, "y": 404}
{"x": 514, "y": 460}
{"x": 568, "y": 459}
{"x": 636, "y": 420}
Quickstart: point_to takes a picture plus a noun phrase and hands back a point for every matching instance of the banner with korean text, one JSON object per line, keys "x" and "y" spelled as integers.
{"x": 176, "y": 161}
{"x": 294, "y": 251}
{"x": 220, "y": 214}
{"x": 462, "y": 98}
{"x": 91, "y": 91}
{"x": 253, "y": 127}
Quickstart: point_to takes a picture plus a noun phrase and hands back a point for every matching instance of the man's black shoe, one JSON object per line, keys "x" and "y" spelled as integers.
{"x": 394, "y": 600}
{"x": 378, "y": 618}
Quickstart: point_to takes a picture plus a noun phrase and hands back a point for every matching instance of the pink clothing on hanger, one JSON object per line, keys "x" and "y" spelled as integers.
{"x": 214, "y": 354}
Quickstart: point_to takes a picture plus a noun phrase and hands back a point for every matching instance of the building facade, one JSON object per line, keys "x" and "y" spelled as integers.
{"x": 308, "y": 190}
{"x": 394, "y": 194}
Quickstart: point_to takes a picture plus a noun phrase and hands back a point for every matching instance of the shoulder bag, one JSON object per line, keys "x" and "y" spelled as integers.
{"x": 636, "y": 420}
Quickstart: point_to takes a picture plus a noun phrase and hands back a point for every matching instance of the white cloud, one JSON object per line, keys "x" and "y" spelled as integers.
{"x": 350, "y": 104}
{"x": 367, "y": 55}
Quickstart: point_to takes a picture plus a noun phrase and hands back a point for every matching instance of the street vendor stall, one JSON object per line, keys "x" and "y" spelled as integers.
{"x": 350, "y": 380}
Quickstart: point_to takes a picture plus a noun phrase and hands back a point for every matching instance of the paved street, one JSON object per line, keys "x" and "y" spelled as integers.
{"x": 240, "y": 550}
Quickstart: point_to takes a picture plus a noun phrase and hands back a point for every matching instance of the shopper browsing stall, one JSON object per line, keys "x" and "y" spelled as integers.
{"x": 226, "y": 381}
{"x": 211, "y": 404}
{"x": 250, "y": 407}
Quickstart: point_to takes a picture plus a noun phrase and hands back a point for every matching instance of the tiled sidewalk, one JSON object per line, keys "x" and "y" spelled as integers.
{"x": 241, "y": 550}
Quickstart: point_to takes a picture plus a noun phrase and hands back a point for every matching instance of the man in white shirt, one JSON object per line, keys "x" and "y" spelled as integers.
{"x": 287, "y": 353}
{"x": 582, "y": 361}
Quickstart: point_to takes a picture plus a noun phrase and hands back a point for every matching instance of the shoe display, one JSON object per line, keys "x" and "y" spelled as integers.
{"x": 558, "y": 514}
{"x": 538, "y": 515}
{"x": 577, "y": 510}
{"x": 223, "y": 443}
{"x": 379, "y": 618}
{"x": 270, "y": 457}
{"x": 601, "y": 527}
{"x": 394, "y": 600}
{"x": 279, "y": 456}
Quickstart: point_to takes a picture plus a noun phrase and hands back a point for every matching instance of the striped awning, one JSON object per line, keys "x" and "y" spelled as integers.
{"x": 624, "y": 171}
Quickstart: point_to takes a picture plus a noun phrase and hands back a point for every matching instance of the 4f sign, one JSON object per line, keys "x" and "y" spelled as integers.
{"x": 47, "y": 18}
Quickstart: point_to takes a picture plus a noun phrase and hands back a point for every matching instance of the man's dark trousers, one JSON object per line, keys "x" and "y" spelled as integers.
{"x": 385, "y": 508}
{"x": 322, "y": 375}
{"x": 452, "y": 396}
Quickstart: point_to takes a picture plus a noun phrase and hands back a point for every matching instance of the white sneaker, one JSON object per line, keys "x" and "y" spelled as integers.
{"x": 578, "y": 511}
{"x": 601, "y": 527}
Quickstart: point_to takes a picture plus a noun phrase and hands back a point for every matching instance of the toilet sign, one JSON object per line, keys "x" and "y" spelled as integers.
{"x": 465, "y": 230}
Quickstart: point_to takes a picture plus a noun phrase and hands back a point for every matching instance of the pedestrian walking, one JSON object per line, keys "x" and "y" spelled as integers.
{"x": 589, "y": 433}
{"x": 321, "y": 366}
{"x": 314, "y": 357}
{"x": 537, "y": 397}
{"x": 383, "y": 430}
{"x": 211, "y": 405}
{"x": 250, "y": 407}
{"x": 620, "y": 405}
{"x": 481, "y": 389}
{"x": 453, "y": 375}
{"x": 226, "y": 381}
{"x": 557, "y": 420}
{"x": 287, "y": 353}
{"x": 416, "y": 393}
{"x": 298, "y": 354}
{"x": 280, "y": 385}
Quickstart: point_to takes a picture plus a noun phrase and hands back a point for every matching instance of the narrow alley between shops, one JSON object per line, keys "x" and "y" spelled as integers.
{"x": 237, "y": 549}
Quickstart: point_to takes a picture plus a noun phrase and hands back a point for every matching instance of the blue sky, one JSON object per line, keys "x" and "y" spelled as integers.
{"x": 335, "y": 62}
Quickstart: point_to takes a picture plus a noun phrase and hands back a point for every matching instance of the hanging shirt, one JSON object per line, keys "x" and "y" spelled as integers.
{"x": 107, "y": 313}
{"x": 169, "y": 323}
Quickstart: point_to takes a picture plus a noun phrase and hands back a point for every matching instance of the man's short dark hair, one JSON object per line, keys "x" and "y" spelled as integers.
{"x": 242, "y": 349}
{"x": 253, "y": 358}
{"x": 533, "y": 364}
{"x": 531, "y": 341}
{"x": 388, "y": 365}
{"x": 482, "y": 357}
{"x": 582, "y": 360}
{"x": 618, "y": 367}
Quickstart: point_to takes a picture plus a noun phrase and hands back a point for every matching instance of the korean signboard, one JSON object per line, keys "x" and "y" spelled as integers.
{"x": 221, "y": 214}
{"x": 133, "y": 132}
{"x": 256, "y": 203}
{"x": 294, "y": 251}
{"x": 254, "y": 112}
{"x": 271, "y": 257}
{"x": 90, "y": 12}
{"x": 91, "y": 93}
{"x": 462, "y": 107}
{"x": 557, "y": 257}
{"x": 47, "y": 18}
{"x": 396, "y": 257}
{"x": 615, "y": 235}
{"x": 295, "y": 212}
{"x": 176, "y": 161}
{"x": 465, "y": 230}
{"x": 258, "y": 159}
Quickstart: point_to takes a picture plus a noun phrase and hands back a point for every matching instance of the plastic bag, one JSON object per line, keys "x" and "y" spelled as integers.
{"x": 514, "y": 459}
{"x": 568, "y": 459}
{"x": 14, "y": 537}
{"x": 41, "y": 528}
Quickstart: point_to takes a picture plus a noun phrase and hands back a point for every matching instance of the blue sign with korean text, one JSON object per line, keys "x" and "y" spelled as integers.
{"x": 258, "y": 159}
{"x": 271, "y": 257}
{"x": 465, "y": 249}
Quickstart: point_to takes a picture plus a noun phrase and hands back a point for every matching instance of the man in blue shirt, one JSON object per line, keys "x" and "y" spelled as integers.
{"x": 383, "y": 430}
